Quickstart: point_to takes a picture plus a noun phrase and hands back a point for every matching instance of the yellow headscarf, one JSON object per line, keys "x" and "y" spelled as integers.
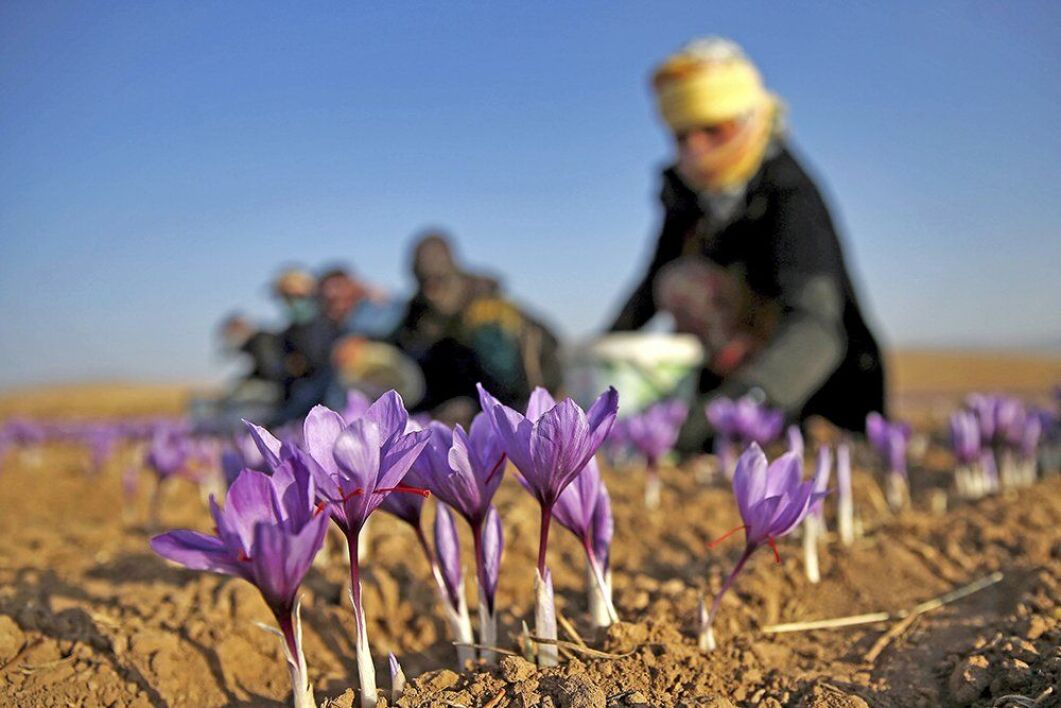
{"x": 708, "y": 82}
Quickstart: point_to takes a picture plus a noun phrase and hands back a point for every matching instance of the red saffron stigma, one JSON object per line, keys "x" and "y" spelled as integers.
{"x": 403, "y": 488}
{"x": 348, "y": 495}
{"x": 319, "y": 508}
{"x": 773, "y": 545}
{"x": 243, "y": 556}
{"x": 726, "y": 535}
{"x": 498, "y": 466}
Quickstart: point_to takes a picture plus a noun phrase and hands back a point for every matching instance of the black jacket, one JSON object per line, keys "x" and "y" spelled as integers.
{"x": 822, "y": 358}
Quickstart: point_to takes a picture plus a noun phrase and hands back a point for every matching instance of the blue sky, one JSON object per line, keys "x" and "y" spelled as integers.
{"x": 159, "y": 160}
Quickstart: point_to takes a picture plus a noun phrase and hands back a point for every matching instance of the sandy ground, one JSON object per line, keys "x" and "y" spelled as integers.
{"x": 89, "y": 616}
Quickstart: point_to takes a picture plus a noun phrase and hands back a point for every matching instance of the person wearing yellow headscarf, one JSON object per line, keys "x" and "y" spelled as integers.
{"x": 748, "y": 258}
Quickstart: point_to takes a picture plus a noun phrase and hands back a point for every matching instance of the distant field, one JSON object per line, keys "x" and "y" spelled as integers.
{"x": 922, "y": 383}
{"x": 927, "y": 384}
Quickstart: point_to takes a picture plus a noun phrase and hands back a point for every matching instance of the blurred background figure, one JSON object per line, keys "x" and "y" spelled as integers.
{"x": 460, "y": 330}
{"x": 256, "y": 390}
{"x": 347, "y": 313}
{"x": 748, "y": 258}
{"x": 295, "y": 289}
{"x": 261, "y": 348}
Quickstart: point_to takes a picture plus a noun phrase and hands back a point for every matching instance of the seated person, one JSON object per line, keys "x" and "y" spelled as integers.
{"x": 461, "y": 330}
{"x": 748, "y": 257}
{"x": 241, "y": 337}
{"x": 345, "y": 308}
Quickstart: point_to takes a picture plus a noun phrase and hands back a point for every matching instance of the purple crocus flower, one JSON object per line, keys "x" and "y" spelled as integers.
{"x": 965, "y": 437}
{"x": 355, "y": 467}
{"x": 464, "y": 470}
{"x": 268, "y": 534}
{"x": 490, "y": 548}
{"x": 745, "y": 419}
{"x": 891, "y": 440}
{"x": 451, "y": 575}
{"x": 168, "y": 453}
{"x": 653, "y": 432}
{"x": 741, "y": 422}
{"x": 773, "y": 500}
{"x": 585, "y": 510}
{"x": 549, "y": 446}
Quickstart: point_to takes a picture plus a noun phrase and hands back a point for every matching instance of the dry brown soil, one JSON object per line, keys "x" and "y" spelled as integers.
{"x": 89, "y": 616}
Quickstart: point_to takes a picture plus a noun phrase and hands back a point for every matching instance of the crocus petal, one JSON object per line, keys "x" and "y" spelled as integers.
{"x": 320, "y": 430}
{"x": 783, "y": 474}
{"x": 493, "y": 546}
{"x": 357, "y": 453}
{"x": 389, "y": 414}
{"x": 251, "y": 501}
{"x": 749, "y": 479}
{"x": 602, "y": 526}
{"x": 513, "y": 431}
{"x": 461, "y": 488}
{"x": 540, "y": 401}
{"x": 356, "y": 405}
{"x": 758, "y": 519}
{"x": 448, "y": 553}
{"x": 600, "y": 418}
{"x": 575, "y": 505}
{"x": 280, "y": 560}
{"x": 266, "y": 443}
{"x": 556, "y": 445}
{"x": 794, "y": 508}
{"x": 196, "y": 551}
{"x": 399, "y": 456}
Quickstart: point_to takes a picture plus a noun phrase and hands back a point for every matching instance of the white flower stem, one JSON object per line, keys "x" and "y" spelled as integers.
{"x": 599, "y": 595}
{"x": 366, "y": 672}
{"x": 487, "y": 629}
{"x": 810, "y": 548}
{"x": 545, "y": 619}
{"x": 653, "y": 485}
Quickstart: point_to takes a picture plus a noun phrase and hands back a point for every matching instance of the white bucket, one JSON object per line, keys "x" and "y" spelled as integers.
{"x": 644, "y": 367}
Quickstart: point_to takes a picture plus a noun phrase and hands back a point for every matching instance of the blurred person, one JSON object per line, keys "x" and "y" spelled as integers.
{"x": 256, "y": 392}
{"x": 295, "y": 289}
{"x": 352, "y": 306}
{"x": 461, "y": 330}
{"x": 748, "y": 258}
{"x": 348, "y": 312}
{"x": 242, "y": 337}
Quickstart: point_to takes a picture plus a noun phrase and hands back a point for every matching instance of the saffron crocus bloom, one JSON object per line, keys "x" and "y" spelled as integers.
{"x": 451, "y": 579}
{"x": 464, "y": 471}
{"x": 268, "y": 534}
{"x": 355, "y": 466}
{"x": 773, "y": 500}
{"x": 653, "y": 433}
{"x": 891, "y": 440}
{"x": 965, "y": 437}
{"x": 409, "y": 508}
{"x": 742, "y": 422}
{"x": 490, "y": 549}
{"x": 549, "y": 446}
{"x": 585, "y": 510}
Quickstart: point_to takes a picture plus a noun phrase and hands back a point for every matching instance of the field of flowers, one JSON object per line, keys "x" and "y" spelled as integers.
{"x": 936, "y": 581}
